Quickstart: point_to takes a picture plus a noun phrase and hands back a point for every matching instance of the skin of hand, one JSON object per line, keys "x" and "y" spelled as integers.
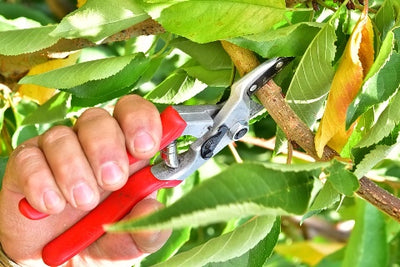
{"x": 66, "y": 172}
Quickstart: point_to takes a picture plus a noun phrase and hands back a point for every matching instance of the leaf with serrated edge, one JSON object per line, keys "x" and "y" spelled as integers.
{"x": 109, "y": 86}
{"x": 176, "y": 88}
{"x": 344, "y": 181}
{"x": 41, "y": 94}
{"x": 310, "y": 83}
{"x": 177, "y": 239}
{"x": 211, "y": 56}
{"x": 55, "y": 109}
{"x": 354, "y": 64}
{"x": 256, "y": 256}
{"x": 372, "y": 158}
{"x": 226, "y": 246}
{"x": 239, "y": 191}
{"x": 385, "y": 18}
{"x": 326, "y": 197}
{"x": 385, "y": 124}
{"x": 381, "y": 82}
{"x": 99, "y": 19}
{"x": 216, "y": 20}
{"x": 78, "y": 74}
{"x": 292, "y": 40}
{"x": 23, "y": 41}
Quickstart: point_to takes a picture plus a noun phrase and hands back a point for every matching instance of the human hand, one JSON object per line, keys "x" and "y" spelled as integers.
{"x": 66, "y": 172}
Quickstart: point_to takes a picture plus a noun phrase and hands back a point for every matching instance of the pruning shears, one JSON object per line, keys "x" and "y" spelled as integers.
{"x": 214, "y": 126}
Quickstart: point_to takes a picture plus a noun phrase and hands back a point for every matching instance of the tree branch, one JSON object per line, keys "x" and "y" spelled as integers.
{"x": 296, "y": 130}
{"x": 13, "y": 68}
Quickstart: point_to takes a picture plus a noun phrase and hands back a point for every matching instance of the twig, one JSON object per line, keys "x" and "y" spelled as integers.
{"x": 270, "y": 145}
{"x": 276, "y": 106}
{"x": 235, "y": 153}
{"x": 290, "y": 153}
{"x": 147, "y": 27}
{"x": 296, "y": 130}
{"x": 379, "y": 197}
{"x": 14, "y": 68}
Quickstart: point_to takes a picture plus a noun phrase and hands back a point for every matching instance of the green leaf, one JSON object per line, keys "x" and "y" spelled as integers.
{"x": 325, "y": 198}
{"x": 23, "y": 133}
{"x": 314, "y": 167}
{"x": 382, "y": 80}
{"x": 176, "y": 88}
{"x": 341, "y": 179}
{"x": 211, "y": 56}
{"x": 311, "y": 82}
{"x": 312, "y": 79}
{"x": 256, "y": 256}
{"x": 375, "y": 155}
{"x": 385, "y": 18}
{"x": 53, "y": 110}
{"x": 115, "y": 85}
{"x": 81, "y": 73}
{"x": 20, "y": 11}
{"x": 206, "y": 21}
{"x": 367, "y": 244}
{"x": 226, "y": 246}
{"x": 385, "y": 124}
{"x": 217, "y": 78}
{"x": 292, "y": 40}
{"x": 175, "y": 241}
{"x": 239, "y": 191}
{"x": 22, "y": 41}
{"x": 99, "y": 19}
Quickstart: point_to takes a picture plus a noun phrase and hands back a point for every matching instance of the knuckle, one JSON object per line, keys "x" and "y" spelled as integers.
{"x": 55, "y": 135}
{"x": 93, "y": 114}
{"x": 130, "y": 98}
{"x": 24, "y": 154}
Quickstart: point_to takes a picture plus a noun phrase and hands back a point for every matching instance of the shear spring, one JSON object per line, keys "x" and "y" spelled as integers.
{"x": 170, "y": 155}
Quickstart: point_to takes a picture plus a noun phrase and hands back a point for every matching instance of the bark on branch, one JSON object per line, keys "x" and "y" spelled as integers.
{"x": 297, "y": 131}
{"x": 13, "y": 68}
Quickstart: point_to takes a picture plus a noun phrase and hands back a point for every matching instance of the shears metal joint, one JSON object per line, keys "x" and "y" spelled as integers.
{"x": 214, "y": 126}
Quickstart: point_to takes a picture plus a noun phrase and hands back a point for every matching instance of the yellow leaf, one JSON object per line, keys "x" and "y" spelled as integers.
{"x": 308, "y": 252}
{"x": 356, "y": 61}
{"x": 41, "y": 94}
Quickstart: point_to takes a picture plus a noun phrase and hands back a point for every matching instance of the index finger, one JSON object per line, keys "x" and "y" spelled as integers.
{"x": 141, "y": 124}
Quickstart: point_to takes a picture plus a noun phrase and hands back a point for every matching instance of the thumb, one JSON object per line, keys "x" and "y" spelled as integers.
{"x": 148, "y": 241}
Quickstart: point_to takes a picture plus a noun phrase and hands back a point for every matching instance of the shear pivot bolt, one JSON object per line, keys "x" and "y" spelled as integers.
{"x": 253, "y": 88}
{"x": 240, "y": 133}
{"x": 279, "y": 65}
{"x": 239, "y": 130}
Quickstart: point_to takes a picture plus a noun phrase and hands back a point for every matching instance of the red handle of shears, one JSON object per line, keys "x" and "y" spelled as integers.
{"x": 112, "y": 209}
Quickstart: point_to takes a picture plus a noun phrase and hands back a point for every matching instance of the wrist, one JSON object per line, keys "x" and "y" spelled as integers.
{"x": 5, "y": 260}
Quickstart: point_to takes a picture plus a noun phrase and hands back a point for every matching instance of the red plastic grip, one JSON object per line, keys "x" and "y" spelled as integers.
{"x": 29, "y": 212}
{"x": 173, "y": 126}
{"x": 112, "y": 209}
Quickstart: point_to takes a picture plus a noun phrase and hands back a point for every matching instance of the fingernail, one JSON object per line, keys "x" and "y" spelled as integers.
{"x": 143, "y": 142}
{"x": 82, "y": 194}
{"x": 51, "y": 199}
{"x": 111, "y": 173}
{"x": 152, "y": 237}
